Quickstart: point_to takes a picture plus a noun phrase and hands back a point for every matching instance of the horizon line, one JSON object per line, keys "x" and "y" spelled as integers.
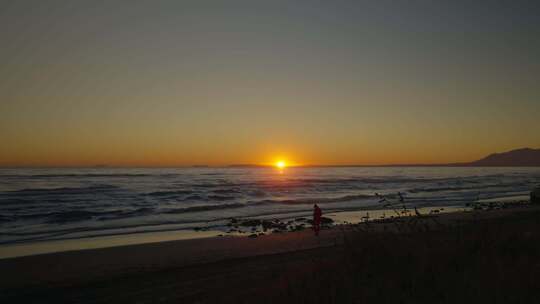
{"x": 456, "y": 165}
{"x": 472, "y": 163}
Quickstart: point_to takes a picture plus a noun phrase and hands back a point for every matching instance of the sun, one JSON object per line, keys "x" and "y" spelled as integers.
{"x": 281, "y": 164}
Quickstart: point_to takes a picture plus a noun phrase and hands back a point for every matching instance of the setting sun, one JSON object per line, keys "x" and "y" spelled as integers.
{"x": 281, "y": 164}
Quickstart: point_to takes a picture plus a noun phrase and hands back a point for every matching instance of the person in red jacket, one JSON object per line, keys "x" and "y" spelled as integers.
{"x": 317, "y": 214}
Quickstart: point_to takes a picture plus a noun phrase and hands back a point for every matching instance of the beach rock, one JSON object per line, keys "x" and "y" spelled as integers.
{"x": 298, "y": 228}
{"x": 247, "y": 223}
{"x": 326, "y": 221}
{"x": 267, "y": 224}
{"x": 535, "y": 196}
{"x": 275, "y": 224}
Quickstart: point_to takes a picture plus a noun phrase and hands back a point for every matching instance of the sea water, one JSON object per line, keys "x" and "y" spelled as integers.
{"x": 60, "y": 204}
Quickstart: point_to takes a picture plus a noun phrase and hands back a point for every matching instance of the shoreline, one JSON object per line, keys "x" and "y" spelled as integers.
{"x": 339, "y": 218}
{"x": 93, "y": 264}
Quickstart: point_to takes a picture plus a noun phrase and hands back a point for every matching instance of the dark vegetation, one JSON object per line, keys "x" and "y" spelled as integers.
{"x": 496, "y": 261}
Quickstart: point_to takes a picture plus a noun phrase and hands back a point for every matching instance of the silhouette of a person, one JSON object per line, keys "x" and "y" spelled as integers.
{"x": 317, "y": 214}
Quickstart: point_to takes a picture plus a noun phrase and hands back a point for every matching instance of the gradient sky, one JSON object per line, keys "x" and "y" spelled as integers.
{"x": 157, "y": 83}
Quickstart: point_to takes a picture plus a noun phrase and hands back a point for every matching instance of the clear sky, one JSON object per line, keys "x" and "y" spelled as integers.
{"x": 157, "y": 83}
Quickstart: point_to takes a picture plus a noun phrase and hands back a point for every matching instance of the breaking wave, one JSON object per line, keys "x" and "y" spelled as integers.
{"x": 46, "y": 203}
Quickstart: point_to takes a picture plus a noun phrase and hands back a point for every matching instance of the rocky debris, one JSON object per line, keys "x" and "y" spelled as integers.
{"x": 326, "y": 221}
{"x": 297, "y": 227}
{"x": 247, "y": 223}
{"x": 275, "y": 224}
{"x": 253, "y": 235}
{"x": 254, "y": 226}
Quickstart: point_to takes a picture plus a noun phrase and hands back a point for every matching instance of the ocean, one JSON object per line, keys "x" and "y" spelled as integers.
{"x": 58, "y": 204}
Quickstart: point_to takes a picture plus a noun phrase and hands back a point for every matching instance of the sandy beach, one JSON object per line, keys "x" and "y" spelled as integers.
{"x": 194, "y": 270}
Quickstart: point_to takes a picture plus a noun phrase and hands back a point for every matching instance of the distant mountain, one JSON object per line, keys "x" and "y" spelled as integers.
{"x": 525, "y": 157}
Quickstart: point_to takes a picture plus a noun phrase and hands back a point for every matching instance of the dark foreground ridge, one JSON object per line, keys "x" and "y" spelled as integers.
{"x": 479, "y": 257}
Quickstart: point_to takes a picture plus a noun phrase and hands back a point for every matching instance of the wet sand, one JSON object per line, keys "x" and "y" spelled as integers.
{"x": 237, "y": 229}
{"x": 189, "y": 267}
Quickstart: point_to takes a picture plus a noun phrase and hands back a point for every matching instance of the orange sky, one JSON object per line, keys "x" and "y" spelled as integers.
{"x": 313, "y": 83}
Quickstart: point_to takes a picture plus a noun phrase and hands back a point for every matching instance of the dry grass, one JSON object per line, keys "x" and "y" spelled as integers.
{"x": 496, "y": 261}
